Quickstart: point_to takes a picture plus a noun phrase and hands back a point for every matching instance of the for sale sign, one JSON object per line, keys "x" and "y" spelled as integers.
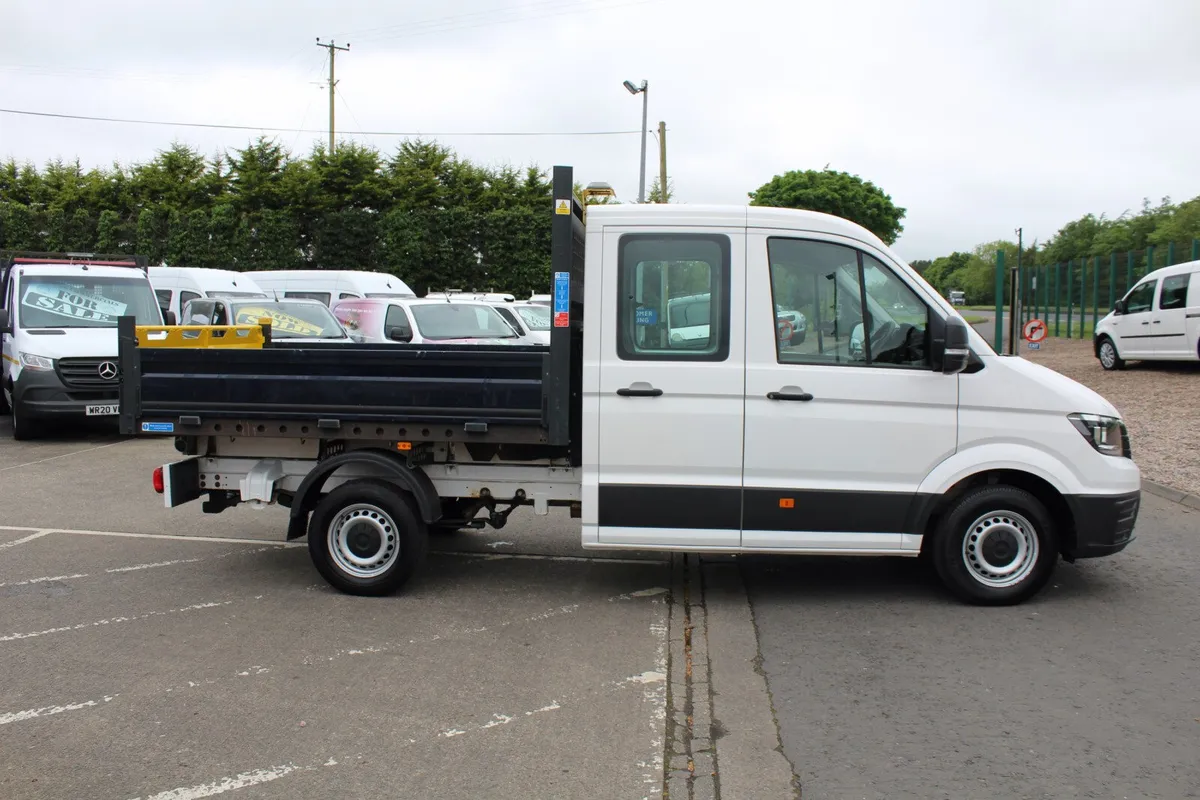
{"x": 72, "y": 304}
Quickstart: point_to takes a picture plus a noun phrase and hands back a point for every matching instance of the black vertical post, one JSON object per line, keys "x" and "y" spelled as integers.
{"x": 563, "y": 367}
{"x": 129, "y": 367}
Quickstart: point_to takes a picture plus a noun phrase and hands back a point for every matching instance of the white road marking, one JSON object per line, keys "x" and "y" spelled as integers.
{"x": 494, "y": 545}
{"x": 62, "y": 455}
{"x": 168, "y": 536}
{"x": 137, "y": 567}
{"x": 45, "y": 580}
{"x": 21, "y": 716}
{"x": 28, "y": 538}
{"x": 12, "y": 637}
{"x": 225, "y": 784}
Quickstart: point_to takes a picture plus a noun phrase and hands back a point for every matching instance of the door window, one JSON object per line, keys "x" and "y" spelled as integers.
{"x": 164, "y": 299}
{"x": 396, "y": 322}
{"x": 823, "y": 288}
{"x": 187, "y": 297}
{"x": 1174, "y": 292}
{"x": 674, "y": 297}
{"x": 1141, "y": 298}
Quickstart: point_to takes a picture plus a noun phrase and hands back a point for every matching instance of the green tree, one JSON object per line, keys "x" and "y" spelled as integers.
{"x": 838, "y": 193}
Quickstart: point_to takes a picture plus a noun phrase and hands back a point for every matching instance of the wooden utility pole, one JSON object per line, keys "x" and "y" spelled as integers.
{"x": 662, "y": 162}
{"x": 332, "y": 48}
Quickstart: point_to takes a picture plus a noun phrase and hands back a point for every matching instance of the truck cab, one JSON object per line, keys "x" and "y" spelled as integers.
{"x": 58, "y": 322}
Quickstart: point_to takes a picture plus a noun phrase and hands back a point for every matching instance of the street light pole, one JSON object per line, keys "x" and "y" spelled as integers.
{"x": 645, "y": 92}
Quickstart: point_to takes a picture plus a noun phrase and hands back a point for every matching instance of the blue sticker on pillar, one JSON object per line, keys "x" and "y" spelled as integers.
{"x": 646, "y": 316}
{"x": 562, "y": 299}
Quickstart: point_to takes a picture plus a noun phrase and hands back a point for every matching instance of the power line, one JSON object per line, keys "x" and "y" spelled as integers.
{"x": 266, "y": 128}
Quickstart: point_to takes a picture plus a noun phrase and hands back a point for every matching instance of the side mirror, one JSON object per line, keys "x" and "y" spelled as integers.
{"x": 398, "y": 334}
{"x": 957, "y": 352}
{"x": 169, "y": 318}
{"x": 1120, "y": 307}
{"x": 5, "y": 322}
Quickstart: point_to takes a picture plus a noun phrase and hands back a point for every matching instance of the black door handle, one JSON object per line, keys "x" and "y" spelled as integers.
{"x": 639, "y": 392}
{"x": 1157, "y": 321}
{"x": 802, "y": 396}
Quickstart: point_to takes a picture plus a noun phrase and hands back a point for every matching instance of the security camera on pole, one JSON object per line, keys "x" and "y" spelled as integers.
{"x": 645, "y": 91}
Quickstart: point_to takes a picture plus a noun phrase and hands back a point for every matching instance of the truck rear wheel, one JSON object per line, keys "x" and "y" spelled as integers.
{"x": 996, "y": 546}
{"x": 366, "y": 538}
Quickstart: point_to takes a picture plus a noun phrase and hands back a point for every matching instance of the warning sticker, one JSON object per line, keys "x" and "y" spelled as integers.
{"x": 72, "y": 304}
{"x": 562, "y": 206}
{"x": 562, "y": 299}
{"x": 280, "y": 322}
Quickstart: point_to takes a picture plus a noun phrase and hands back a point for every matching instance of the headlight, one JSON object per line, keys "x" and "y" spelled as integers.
{"x": 30, "y": 361}
{"x": 1107, "y": 434}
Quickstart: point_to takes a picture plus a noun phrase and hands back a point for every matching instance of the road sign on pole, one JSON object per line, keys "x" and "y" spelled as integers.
{"x": 1034, "y": 331}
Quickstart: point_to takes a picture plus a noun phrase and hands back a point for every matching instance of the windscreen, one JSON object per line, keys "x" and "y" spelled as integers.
{"x": 460, "y": 321}
{"x": 85, "y": 301}
{"x": 304, "y": 320}
{"x": 536, "y": 318}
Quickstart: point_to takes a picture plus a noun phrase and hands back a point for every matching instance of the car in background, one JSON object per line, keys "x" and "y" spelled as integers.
{"x": 297, "y": 319}
{"x": 1157, "y": 320}
{"x": 797, "y": 324}
{"x": 540, "y": 299}
{"x": 176, "y": 286}
{"x": 432, "y": 321}
{"x": 957, "y": 297}
{"x": 531, "y": 320}
{"x": 328, "y": 285}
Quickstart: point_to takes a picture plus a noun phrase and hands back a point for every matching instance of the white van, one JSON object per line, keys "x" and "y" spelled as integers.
{"x": 58, "y": 323}
{"x": 175, "y": 286}
{"x": 328, "y": 285}
{"x": 1157, "y": 320}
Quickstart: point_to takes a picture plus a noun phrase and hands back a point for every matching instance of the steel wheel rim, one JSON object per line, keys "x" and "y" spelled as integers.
{"x": 363, "y": 541}
{"x": 1000, "y": 549}
{"x": 1108, "y": 354}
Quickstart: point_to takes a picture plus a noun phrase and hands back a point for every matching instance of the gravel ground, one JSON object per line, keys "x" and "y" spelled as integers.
{"x": 1157, "y": 399}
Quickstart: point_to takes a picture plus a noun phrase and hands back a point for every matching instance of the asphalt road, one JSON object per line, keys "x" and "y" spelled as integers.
{"x": 170, "y": 665}
{"x": 167, "y": 654}
{"x": 884, "y": 688}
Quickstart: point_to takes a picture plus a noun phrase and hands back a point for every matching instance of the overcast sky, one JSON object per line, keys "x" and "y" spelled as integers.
{"x": 977, "y": 117}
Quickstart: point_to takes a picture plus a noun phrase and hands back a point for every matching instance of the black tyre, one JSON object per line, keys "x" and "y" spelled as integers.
{"x": 1106, "y": 352}
{"x": 996, "y": 546}
{"x": 3, "y": 402}
{"x": 25, "y": 428}
{"x": 366, "y": 538}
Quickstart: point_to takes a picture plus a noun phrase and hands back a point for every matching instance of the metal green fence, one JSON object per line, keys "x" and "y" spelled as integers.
{"x": 1071, "y": 297}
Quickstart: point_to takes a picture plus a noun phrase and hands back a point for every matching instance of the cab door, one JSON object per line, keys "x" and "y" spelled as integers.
{"x": 668, "y": 408}
{"x": 842, "y": 427}
{"x": 1133, "y": 329}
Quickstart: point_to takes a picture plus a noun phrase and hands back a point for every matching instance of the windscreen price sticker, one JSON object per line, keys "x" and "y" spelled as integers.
{"x": 75, "y": 305}
{"x": 1034, "y": 332}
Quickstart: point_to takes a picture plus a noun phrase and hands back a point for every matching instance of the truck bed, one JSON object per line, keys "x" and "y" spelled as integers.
{"x": 336, "y": 390}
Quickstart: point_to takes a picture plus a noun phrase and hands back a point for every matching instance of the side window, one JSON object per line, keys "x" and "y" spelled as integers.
{"x": 396, "y": 322}
{"x": 187, "y": 297}
{"x": 198, "y": 312}
{"x": 1141, "y": 298}
{"x": 819, "y": 290}
{"x": 1174, "y": 292}
{"x": 164, "y": 299}
{"x": 220, "y": 314}
{"x": 899, "y": 320}
{"x": 348, "y": 296}
{"x": 322, "y": 296}
{"x": 674, "y": 297}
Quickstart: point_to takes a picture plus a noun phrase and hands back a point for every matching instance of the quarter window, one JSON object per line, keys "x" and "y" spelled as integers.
{"x": 674, "y": 297}
{"x": 1141, "y": 298}
{"x": 819, "y": 292}
{"x": 1174, "y": 292}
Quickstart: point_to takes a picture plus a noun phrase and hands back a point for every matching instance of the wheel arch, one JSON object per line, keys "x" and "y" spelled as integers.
{"x": 1046, "y": 493}
{"x": 391, "y": 467}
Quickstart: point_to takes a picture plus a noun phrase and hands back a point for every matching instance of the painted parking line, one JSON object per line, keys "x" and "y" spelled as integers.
{"x": 33, "y": 713}
{"x": 61, "y": 455}
{"x": 12, "y": 637}
{"x": 29, "y": 538}
{"x": 167, "y": 536}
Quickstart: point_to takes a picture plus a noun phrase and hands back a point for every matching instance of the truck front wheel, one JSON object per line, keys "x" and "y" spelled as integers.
{"x": 995, "y": 546}
{"x": 366, "y": 538}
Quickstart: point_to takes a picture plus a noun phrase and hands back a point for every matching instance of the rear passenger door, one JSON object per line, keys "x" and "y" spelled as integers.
{"x": 1170, "y": 319}
{"x": 668, "y": 408}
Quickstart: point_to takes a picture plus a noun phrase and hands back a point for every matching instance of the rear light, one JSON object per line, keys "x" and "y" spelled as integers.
{"x": 158, "y": 479}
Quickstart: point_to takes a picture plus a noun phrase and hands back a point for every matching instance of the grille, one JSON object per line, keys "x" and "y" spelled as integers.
{"x": 84, "y": 373}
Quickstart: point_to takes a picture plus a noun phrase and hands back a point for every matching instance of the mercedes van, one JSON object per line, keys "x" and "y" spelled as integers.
{"x": 328, "y": 285}
{"x": 175, "y": 286}
{"x": 58, "y": 323}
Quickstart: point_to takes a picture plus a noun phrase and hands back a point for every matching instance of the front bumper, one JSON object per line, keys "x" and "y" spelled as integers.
{"x": 41, "y": 395}
{"x": 1103, "y": 523}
